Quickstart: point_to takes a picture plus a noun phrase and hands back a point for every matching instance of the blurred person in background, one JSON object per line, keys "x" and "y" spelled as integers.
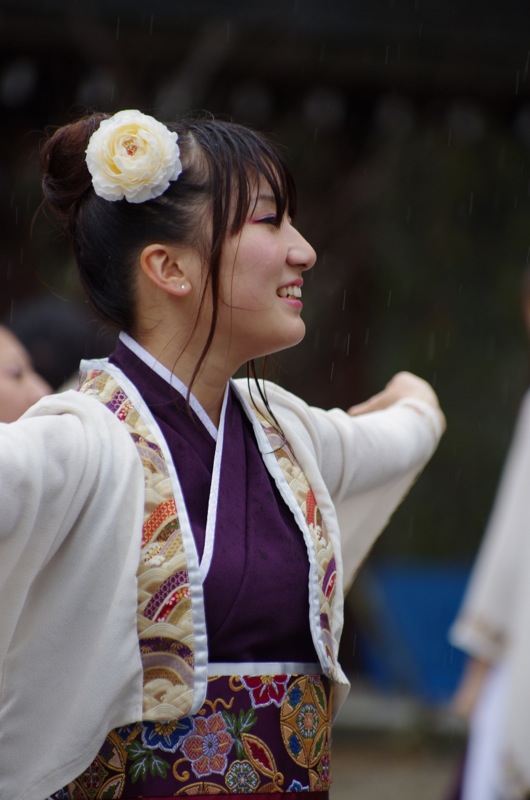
{"x": 493, "y": 628}
{"x": 20, "y": 384}
{"x": 58, "y": 334}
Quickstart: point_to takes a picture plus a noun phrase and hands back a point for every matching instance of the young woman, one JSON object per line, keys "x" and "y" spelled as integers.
{"x": 171, "y": 563}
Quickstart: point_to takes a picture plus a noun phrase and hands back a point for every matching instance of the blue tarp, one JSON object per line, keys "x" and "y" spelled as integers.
{"x": 403, "y": 643}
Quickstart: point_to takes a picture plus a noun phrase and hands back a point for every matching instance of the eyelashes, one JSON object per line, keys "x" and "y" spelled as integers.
{"x": 271, "y": 219}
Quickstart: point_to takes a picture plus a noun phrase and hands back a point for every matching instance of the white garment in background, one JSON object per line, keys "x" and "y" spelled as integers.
{"x": 493, "y": 623}
{"x": 482, "y": 772}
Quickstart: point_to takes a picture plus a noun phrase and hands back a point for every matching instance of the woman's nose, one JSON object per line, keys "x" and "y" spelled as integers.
{"x": 301, "y": 253}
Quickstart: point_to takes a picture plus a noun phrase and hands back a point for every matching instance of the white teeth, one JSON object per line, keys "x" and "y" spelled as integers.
{"x": 290, "y": 291}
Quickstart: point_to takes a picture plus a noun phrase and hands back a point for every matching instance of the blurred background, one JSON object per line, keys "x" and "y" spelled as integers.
{"x": 407, "y": 126}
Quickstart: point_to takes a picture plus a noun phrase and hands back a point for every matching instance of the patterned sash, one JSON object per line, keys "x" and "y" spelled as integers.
{"x": 254, "y": 735}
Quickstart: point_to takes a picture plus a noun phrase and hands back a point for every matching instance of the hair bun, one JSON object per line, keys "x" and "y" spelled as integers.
{"x": 65, "y": 177}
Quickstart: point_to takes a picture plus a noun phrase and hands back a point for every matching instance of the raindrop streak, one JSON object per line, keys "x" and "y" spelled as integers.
{"x": 228, "y": 30}
{"x": 151, "y": 24}
{"x": 528, "y": 255}
{"x": 526, "y": 66}
{"x": 332, "y": 369}
{"x": 517, "y": 82}
{"x": 409, "y": 211}
{"x": 471, "y": 200}
{"x": 389, "y": 298}
{"x": 344, "y": 300}
{"x": 118, "y": 28}
{"x": 367, "y": 334}
{"x": 431, "y": 347}
{"x": 387, "y": 53}
{"x": 348, "y": 345}
{"x": 515, "y": 203}
{"x": 449, "y": 138}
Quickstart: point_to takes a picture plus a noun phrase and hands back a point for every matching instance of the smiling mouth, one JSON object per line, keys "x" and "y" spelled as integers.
{"x": 290, "y": 291}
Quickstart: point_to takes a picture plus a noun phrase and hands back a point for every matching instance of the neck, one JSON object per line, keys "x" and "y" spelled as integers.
{"x": 208, "y": 385}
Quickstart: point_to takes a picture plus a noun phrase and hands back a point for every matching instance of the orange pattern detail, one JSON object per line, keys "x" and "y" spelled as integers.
{"x": 162, "y": 513}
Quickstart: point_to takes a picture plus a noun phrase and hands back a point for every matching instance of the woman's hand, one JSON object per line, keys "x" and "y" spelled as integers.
{"x": 402, "y": 385}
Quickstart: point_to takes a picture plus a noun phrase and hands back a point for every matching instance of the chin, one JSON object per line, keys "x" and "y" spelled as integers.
{"x": 292, "y": 341}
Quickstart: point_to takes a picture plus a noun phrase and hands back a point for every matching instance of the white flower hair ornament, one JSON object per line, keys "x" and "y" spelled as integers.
{"x": 133, "y": 156}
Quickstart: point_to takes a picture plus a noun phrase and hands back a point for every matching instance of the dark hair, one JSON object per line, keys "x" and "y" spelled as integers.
{"x": 221, "y": 160}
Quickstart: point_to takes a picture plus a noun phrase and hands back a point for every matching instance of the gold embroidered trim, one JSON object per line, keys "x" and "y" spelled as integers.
{"x": 326, "y": 564}
{"x": 164, "y": 617}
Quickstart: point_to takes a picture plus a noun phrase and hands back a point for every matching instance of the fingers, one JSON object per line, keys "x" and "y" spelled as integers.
{"x": 374, "y": 403}
{"x": 403, "y": 384}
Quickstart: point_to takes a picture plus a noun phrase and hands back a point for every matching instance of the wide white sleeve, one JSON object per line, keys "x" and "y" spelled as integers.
{"x": 71, "y": 494}
{"x": 46, "y": 474}
{"x": 500, "y": 572}
{"x": 53, "y": 462}
{"x": 367, "y": 463}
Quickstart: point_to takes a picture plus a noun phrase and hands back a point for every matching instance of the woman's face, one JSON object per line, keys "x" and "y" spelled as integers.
{"x": 262, "y": 274}
{"x": 20, "y": 386}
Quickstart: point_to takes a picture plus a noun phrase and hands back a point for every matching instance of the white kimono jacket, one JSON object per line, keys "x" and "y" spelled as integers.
{"x": 72, "y": 498}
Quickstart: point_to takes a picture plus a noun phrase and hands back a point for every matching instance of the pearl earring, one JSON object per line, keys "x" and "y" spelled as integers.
{"x": 182, "y": 286}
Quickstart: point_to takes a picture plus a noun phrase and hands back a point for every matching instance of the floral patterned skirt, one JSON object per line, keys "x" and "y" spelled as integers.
{"x": 254, "y": 735}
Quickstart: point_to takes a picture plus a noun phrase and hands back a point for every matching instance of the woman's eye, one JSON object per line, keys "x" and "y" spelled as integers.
{"x": 271, "y": 220}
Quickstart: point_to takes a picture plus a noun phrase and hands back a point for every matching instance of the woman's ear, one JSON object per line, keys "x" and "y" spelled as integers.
{"x": 167, "y": 267}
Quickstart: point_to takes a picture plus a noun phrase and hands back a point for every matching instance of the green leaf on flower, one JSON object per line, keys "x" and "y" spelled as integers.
{"x": 230, "y": 722}
{"x": 247, "y": 719}
{"x": 136, "y": 750}
{"x": 138, "y": 770}
{"x": 158, "y": 766}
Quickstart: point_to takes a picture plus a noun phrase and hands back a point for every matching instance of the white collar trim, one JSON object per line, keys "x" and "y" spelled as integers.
{"x": 149, "y": 359}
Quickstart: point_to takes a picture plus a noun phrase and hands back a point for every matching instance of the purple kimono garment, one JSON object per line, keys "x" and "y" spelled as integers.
{"x": 256, "y": 591}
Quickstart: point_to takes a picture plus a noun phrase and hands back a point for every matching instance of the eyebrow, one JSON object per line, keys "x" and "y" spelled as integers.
{"x": 267, "y": 198}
